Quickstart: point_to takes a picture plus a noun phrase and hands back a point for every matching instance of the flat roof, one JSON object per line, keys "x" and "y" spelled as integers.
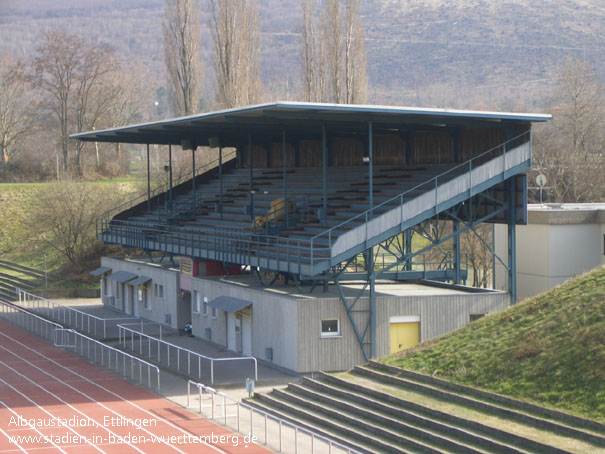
{"x": 566, "y": 213}
{"x": 232, "y": 126}
{"x": 384, "y": 288}
{"x": 566, "y": 207}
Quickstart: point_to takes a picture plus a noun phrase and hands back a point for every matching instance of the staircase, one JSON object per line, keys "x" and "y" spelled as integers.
{"x": 14, "y": 276}
{"x": 378, "y": 409}
{"x": 217, "y": 225}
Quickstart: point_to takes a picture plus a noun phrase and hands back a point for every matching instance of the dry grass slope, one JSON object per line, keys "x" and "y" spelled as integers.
{"x": 549, "y": 350}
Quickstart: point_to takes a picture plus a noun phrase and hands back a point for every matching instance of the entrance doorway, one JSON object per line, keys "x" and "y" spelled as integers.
{"x": 183, "y": 313}
{"x": 404, "y": 332}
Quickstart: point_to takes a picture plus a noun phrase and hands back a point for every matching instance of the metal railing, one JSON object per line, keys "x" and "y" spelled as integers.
{"x": 261, "y": 427}
{"x": 425, "y": 187}
{"x": 106, "y": 356}
{"x": 249, "y": 248}
{"x": 216, "y": 243}
{"x": 30, "y": 322}
{"x": 161, "y": 188}
{"x": 173, "y": 356}
{"x": 67, "y": 315}
{"x": 100, "y": 353}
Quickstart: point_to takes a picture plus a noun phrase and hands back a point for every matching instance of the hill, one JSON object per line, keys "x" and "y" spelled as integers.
{"x": 436, "y": 52}
{"x": 549, "y": 349}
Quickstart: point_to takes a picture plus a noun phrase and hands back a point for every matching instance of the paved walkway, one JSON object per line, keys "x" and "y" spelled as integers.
{"x": 229, "y": 374}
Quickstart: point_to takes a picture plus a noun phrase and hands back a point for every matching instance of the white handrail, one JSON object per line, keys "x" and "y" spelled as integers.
{"x": 63, "y": 313}
{"x": 50, "y": 331}
{"x": 223, "y": 415}
{"x": 31, "y": 322}
{"x": 122, "y": 336}
{"x": 110, "y": 350}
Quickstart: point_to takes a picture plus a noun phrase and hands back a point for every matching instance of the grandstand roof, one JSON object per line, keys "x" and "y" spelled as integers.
{"x": 303, "y": 120}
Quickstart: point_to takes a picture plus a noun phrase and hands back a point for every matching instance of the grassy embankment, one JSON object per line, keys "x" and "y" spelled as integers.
{"x": 21, "y": 242}
{"x": 549, "y": 349}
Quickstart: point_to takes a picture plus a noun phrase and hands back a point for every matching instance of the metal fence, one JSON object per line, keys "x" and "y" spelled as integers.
{"x": 87, "y": 323}
{"x": 90, "y": 349}
{"x": 28, "y": 321}
{"x": 108, "y": 357}
{"x": 258, "y": 426}
{"x": 182, "y": 360}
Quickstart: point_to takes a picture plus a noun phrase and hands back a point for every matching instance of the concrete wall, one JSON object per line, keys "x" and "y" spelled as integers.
{"x": 439, "y": 314}
{"x": 274, "y": 320}
{"x": 554, "y": 247}
{"x": 159, "y": 307}
{"x": 292, "y": 326}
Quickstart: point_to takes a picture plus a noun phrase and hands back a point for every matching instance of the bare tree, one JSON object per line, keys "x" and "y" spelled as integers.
{"x": 356, "y": 84}
{"x": 333, "y": 52}
{"x": 64, "y": 217}
{"x": 69, "y": 70}
{"x": 311, "y": 54}
{"x": 15, "y": 115}
{"x": 235, "y": 31}
{"x": 130, "y": 94}
{"x": 479, "y": 257}
{"x": 182, "y": 39}
{"x": 570, "y": 149}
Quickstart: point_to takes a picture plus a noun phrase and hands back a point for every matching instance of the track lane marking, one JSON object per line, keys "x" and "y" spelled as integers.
{"x": 154, "y": 415}
{"x": 32, "y": 427}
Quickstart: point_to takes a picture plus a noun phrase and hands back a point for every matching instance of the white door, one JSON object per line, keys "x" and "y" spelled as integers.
{"x": 135, "y": 301}
{"x": 231, "y": 331}
{"x": 246, "y": 337}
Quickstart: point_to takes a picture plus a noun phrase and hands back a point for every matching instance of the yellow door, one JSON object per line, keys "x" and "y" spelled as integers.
{"x": 404, "y": 335}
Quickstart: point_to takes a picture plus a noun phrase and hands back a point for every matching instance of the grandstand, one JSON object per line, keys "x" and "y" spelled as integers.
{"x": 319, "y": 198}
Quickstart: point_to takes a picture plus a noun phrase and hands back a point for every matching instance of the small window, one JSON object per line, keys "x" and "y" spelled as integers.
{"x": 140, "y": 294}
{"x": 205, "y": 306}
{"x": 159, "y": 291}
{"x": 330, "y": 328}
{"x": 474, "y": 317}
{"x": 146, "y": 300}
{"x": 196, "y": 302}
{"x": 213, "y": 312}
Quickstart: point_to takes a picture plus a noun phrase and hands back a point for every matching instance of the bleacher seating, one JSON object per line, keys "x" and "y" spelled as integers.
{"x": 347, "y": 192}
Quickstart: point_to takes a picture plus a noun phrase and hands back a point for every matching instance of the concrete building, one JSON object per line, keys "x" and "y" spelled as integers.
{"x": 559, "y": 242}
{"x": 299, "y": 329}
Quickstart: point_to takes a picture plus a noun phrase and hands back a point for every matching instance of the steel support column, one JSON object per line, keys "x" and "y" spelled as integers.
{"x": 408, "y": 249}
{"x": 512, "y": 241}
{"x": 193, "y": 179}
{"x": 220, "y": 179}
{"x": 408, "y": 149}
{"x": 372, "y": 279}
{"x": 456, "y": 146}
{"x": 456, "y": 223}
{"x": 494, "y": 256}
{"x": 148, "y": 181}
{"x": 250, "y": 164}
{"x": 324, "y": 171}
{"x": 170, "y": 175}
{"x": 283, "y": 164}
{"x": 370, "y": 168}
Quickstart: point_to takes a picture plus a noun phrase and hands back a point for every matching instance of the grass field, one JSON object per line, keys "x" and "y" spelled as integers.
{"x": 549, "y": 349}
{"x": 19, "y": 241}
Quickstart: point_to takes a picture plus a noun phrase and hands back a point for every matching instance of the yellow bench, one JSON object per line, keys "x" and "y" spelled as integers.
{"x": 276, "y": 212}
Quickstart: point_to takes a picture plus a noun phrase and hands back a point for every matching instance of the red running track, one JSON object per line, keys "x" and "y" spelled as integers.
{"x": 57, "y": 402}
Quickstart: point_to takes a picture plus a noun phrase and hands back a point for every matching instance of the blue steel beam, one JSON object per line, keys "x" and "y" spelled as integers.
{"x": 324, "y": 171}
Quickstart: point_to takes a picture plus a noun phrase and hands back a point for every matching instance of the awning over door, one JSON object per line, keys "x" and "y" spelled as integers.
{"x": 122, "y": 276}
{"x": 229, "y": 303}
{"x": 141, "y": 280}
{"x": 100, "y": 270}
